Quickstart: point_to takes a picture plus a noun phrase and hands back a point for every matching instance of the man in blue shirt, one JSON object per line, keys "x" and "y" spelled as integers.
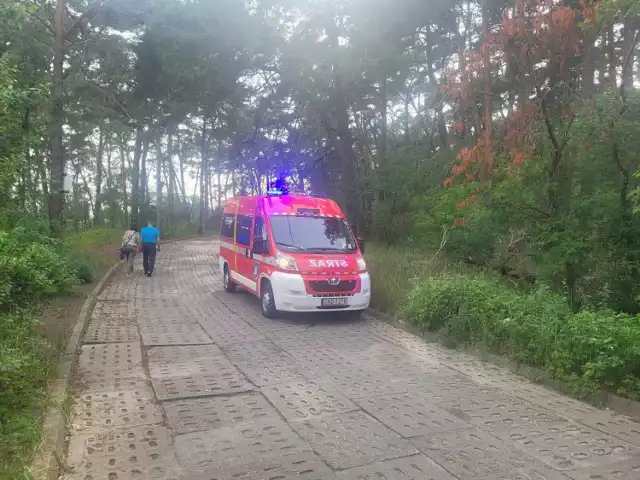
{"x": 150, "y": 244}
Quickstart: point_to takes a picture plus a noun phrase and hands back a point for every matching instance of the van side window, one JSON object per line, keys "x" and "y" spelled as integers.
{"x": 227, "y": 226}
{"x": 259, "y": 234}
{"x": 244, "y": 230}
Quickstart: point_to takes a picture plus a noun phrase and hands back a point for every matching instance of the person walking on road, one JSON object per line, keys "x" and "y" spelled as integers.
{"x": 150, "y": 244}
{"x": 130, "y": 246}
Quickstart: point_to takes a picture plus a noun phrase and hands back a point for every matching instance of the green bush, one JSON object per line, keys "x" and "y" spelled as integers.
{"x": 590, "y": 349}
{"x": 30, "y": 272}
{"x": 80, "y": 268}
{"x": 599, "y": 348}
{"x": 24, "y": 371}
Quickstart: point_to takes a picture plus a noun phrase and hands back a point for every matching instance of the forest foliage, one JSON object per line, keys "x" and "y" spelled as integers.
{"x": 485, "y": 137}
{"x": 506, "y": 131}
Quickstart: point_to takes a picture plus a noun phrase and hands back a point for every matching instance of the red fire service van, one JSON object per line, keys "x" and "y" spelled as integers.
{"x": 296, "y": 253}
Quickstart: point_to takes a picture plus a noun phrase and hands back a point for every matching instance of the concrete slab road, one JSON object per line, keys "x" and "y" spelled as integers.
{"x": 179, "y": 380}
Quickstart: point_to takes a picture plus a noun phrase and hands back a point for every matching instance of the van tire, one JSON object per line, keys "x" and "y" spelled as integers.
{"x": 229, "y": 286}
{"x": 267, "y": 301}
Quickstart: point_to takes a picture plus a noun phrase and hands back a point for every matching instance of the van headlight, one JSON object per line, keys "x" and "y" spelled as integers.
{"x": 286, "y": 262}
{"x": 362, "y": 265}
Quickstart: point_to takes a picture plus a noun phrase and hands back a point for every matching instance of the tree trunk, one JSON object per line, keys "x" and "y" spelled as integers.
{"x": 25, "y": 172}
{"x": 166, "y": 178}
{"x": 172, "y": 175}
{"x": 407, "y": 132}
{"x": 179, "y": 190}
{"x": 437, "y": 105}
{"x": 203, "y": 185}
{"x": 193, "y": 196}
{"x": 32, "y": 186}
{"x": 347, "y": 155}
{"x": 488, "y": 104}
{"x": 144, "y": 182}
{"x": 588, "y": 63}
{"x": 611, "y": 56}
{"x": 383, "y": 114}
{"x": 488, "y": 96}
{"x": 111, "y": 197}
{"x": 183, "y": 187}
{"x": 218, "y": 174}
{"x": 44, "y": 180}
{"x": 602, "y": 61}
{"x": 208, "y": 206}
{"x": 87, "y": 190}
{"x": 97, "y": 209}
{"x": 77, "y": 198}
{"x": 234, "y": 185}
{"x": 158, "y": 175}
{"x": 123, "y": 163}
{"x": 56, "y": 123}
{"x": 210, "y": 190}
{"x": 227, "y": 181}
{"x": 135, "y": 178}
{"x": 627, "y": 51}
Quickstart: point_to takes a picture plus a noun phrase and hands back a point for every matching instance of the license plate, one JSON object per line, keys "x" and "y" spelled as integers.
{"x": 334, "y": 302}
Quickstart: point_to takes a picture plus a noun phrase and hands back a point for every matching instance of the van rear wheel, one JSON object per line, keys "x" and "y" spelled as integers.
{"x": 267, "y": 301}
{"x": 229, "y": 286}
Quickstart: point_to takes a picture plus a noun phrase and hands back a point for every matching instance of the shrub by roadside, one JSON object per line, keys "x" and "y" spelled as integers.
{"x": 590, "y": 350}
{"x": 92, "y": 251}
{"x": 34, "y": 269}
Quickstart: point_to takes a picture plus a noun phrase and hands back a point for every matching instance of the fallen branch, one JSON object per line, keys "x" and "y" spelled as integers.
{"x": 443, "y": 242}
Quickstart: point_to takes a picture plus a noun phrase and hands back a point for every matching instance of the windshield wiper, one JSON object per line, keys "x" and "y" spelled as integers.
{"x": 288, "y": 245}
{"x": 327, "y": 250}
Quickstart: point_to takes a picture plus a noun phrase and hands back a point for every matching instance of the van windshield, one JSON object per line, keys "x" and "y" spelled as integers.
{"x": 312, "y": 234}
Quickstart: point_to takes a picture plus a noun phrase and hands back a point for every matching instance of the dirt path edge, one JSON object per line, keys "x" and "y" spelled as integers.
{"x": 48, "y": 458}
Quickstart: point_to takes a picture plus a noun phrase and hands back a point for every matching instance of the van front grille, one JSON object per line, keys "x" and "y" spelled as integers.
{"x": 332, "y": 295}
{"x": 323, "y": 286}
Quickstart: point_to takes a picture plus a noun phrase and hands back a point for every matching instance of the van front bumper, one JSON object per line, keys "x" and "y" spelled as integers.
{"x": 291, "y": 295}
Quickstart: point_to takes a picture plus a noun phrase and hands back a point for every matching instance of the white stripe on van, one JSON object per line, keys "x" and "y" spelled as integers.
{"x": 244, "y": 281}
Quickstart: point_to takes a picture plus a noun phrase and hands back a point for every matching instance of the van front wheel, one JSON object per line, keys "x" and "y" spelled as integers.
{"x": 267, "y": 302}
{"x": 229, "y": 286}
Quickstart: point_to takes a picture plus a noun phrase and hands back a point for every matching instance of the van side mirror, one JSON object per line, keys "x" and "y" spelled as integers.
{"x": 361, "y": 244}
{"x": 260, "y": 247}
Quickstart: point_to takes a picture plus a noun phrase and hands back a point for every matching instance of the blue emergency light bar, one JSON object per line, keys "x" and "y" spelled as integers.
{"x": 274, "y": 192}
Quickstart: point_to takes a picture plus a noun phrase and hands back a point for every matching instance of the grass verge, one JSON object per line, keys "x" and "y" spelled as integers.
{"x": 395, "y": 270}
{"x": 591, "y": 350}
